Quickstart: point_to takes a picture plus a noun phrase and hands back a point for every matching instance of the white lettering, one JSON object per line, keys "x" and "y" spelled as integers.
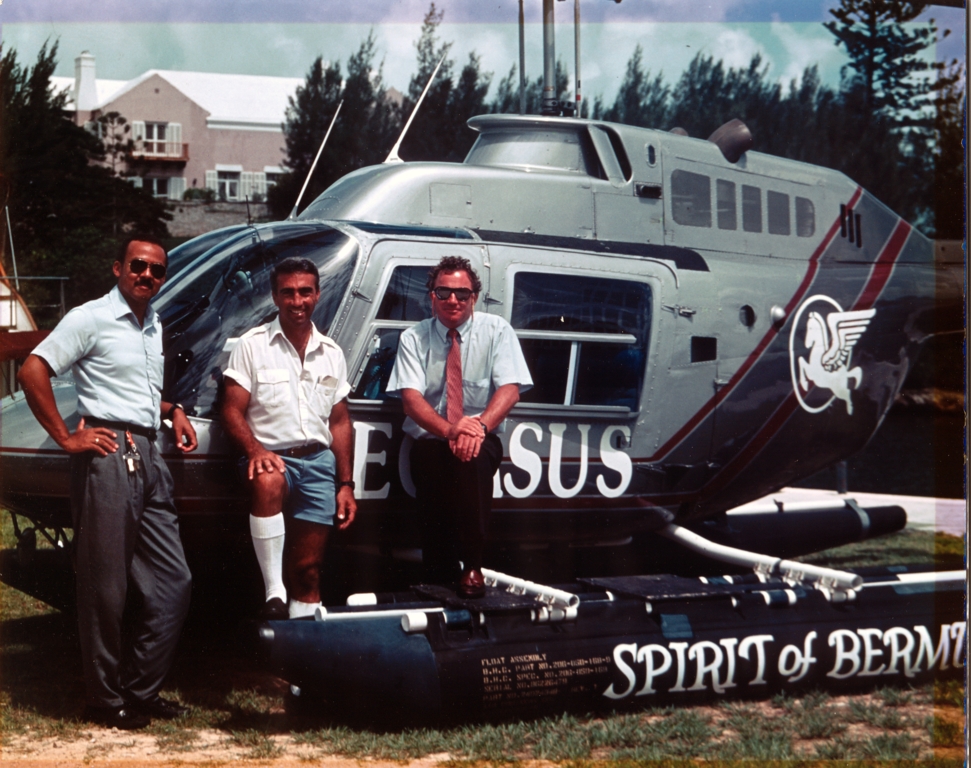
{"x": 759, "y": 642}
{"x": 838, "y": 639}
{"x": 679, "y": 649}
{"x": 646, "y": 654}
{"x": 869, "y": 652}
{"x": 524, "y": 459}
{"x": 362, "y": 440}
{"x": 892, "y": 638}
{"x": 624, "y": 668}
{"x": 943, "y": 647}
{"x": 556, "y": 460}
{"x": 616, "y": 460}
{"x": 958, "y": 630}
{"x": 729, "y": 644}
{"x": 801, "y": 660}
{"x": 404, "y": 465}
{"x": 697, "y": 651}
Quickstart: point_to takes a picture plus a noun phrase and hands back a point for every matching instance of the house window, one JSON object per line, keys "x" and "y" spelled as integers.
{"x": 228, "y": 185}
{"x": 155, "y": 138}
{"x": 584, "y": 338}
{"x": 158, "y": 186}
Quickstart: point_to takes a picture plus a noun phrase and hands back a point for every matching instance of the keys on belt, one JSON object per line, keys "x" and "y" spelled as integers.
{"x": 131, "y": 457}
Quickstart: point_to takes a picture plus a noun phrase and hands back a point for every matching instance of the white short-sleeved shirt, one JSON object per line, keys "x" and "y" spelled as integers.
{"x": 116, "y": 363}
{"x": 491, "y": 358}
{"x": 290, "y": 400}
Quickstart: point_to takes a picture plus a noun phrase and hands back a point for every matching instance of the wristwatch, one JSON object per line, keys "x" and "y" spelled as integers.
{"x": 172, "y": 410}
{"x": 345, "y": 483}
{"x": 485, "y": 429}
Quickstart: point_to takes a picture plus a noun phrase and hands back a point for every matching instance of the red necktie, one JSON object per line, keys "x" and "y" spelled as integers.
{"x": 453, "y": 379}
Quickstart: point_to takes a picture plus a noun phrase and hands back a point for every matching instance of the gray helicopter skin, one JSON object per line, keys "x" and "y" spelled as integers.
{"x": 702, "y": 332}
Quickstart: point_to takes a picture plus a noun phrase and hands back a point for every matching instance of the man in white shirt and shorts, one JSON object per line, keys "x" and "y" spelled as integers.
{"x": 285, "y": 405}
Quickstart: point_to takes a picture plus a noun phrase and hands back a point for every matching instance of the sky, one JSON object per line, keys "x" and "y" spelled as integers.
{"x": 282, "y": 37}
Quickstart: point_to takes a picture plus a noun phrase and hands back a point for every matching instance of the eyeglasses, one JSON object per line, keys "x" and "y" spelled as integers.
{"x": 137, "y": 266}
{"x": 442, "y": 293}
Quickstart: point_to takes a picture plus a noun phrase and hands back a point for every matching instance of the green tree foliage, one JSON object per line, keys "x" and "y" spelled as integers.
{"x": 949, "y": 189}
{"x": 641, "y": 100}
{"x": 439, "y": 130}
{"x": 362, "y": 135}
{"x": 68, "y": 208}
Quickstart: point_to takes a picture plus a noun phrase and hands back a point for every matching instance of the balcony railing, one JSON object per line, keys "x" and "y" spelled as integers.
{"x": 163, "y": 151}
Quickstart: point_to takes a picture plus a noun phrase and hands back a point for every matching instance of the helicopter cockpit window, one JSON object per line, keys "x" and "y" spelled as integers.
{"x": 553, "y": 150}
{"x": 405, "y": 302}
{"x": 585, "y": 339}
{"x": 691, "y": 198}
{"x": 242, "y": 299}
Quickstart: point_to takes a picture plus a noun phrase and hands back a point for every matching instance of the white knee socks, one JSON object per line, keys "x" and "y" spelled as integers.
{"x": 268, "y": 536}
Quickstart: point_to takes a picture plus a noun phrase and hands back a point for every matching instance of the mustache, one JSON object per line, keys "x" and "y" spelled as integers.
{"x": 146, "y": 282}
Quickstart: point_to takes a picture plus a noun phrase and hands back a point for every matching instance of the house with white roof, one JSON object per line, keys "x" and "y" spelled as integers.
{"x": 192, "y": 129}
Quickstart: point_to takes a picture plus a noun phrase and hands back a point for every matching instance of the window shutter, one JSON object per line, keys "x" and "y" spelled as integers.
{"x": 138, "y": 130}
{"x": 212, "y": 179}
{"x": 173, "y": 140}
{"x": 136, "y": 181}
{"x": 176, "y": 187}
{"x": 259, "y": 183}
{"x": 245, "y": 185}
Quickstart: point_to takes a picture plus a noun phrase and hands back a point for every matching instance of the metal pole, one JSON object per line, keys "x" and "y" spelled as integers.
{"x": 549, "y": 61}
{"x": 842, "y": 477}
{"x": 522, "y": 60}
{"x": 13, "y": 256}
{"x": 293, "y": 213}
{"x": 63, "y": 303}
{"x": 576, "y": 48}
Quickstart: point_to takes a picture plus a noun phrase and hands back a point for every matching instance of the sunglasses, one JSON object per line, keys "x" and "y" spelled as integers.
{"x": 462, "y": 294}
{"x": 137, "y": 266}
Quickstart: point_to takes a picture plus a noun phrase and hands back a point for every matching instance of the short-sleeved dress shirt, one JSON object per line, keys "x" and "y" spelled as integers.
{"x": 491, "y": 358}
{"x": 290, "y": 401}
{"x": 116, "y": 363}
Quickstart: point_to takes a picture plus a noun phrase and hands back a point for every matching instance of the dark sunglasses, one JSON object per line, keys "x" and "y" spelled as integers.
{"x": 137, "y": 266}
{"x": 462, "y": 294}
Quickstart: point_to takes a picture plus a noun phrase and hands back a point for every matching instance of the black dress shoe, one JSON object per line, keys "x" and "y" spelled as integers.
{"x": 472, "y": 584}
{"x": 125, "y": 717}
{"x": 160, "y": 708}
{"x": 274, "y": 609}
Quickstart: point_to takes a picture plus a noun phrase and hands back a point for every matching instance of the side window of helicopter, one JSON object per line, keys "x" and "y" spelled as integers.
{"x": 725, "y": 197}
{"x": 751, "y": 208}
{"x": 405, "y": 303}
{"x": 691, "y": 198}
{"x": 805, "y": 217}
{"x": 778, "y": 205}
{"x": 584, "y": 338}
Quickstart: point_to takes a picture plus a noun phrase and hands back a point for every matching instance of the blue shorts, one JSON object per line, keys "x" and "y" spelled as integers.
{"x": 310, "y": 481}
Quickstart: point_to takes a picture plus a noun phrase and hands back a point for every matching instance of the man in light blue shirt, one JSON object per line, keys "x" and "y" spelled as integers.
{"x": 126, "y": 533}
{"x": 456, "y": 451}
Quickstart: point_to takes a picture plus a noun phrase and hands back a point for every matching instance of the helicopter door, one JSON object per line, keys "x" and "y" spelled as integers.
{"x": 628, "y": 204}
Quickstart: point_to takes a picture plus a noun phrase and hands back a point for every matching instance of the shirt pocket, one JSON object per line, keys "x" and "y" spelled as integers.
{"x": 273, "y": 387}
{"x": 323, "y": 398}
{"x": 475, "y": 395}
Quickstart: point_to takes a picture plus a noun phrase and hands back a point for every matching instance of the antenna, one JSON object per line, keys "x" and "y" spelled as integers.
{"x": 393, "y": 154}
{"x": 293, "y": 213}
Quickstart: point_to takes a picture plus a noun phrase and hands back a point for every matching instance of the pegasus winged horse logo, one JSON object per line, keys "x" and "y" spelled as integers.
{"x": 829, "y": 341}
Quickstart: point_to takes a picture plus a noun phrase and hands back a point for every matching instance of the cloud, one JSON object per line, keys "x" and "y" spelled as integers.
{"x": 804, "y": 51}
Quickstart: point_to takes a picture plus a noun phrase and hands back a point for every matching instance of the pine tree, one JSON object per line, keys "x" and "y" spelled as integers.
{"x": 640, "y": 100}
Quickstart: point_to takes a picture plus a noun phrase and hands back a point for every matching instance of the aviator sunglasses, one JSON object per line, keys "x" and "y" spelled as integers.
{"x": 137, "y": 266}
{"x": 442, "y": 293}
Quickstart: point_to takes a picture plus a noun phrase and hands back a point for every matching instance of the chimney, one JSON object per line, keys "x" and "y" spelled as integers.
{"x": 85, "y": 90}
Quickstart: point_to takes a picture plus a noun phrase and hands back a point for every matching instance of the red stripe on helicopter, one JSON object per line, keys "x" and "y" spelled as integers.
{"x": 879, "y": 274}
{"x": 766, "y": 340}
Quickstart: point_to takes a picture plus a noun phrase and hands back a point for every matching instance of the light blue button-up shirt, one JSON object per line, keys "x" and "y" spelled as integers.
{"x": 491, "y": 358}
{"x": 117, "y": 364}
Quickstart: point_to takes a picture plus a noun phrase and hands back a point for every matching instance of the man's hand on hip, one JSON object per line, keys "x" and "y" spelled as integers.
{"x": 101, "y": 440}
{"x": 262, "y": 460}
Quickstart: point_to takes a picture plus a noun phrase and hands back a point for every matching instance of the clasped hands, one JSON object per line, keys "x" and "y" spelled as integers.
{"x": 465, "y": 438}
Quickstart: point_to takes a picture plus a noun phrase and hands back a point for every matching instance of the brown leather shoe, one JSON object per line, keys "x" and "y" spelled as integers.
{"x": 472, "y": 584}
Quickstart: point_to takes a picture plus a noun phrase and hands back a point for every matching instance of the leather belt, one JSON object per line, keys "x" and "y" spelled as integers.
{"x": 301, "y": 450}
{"x": 121, "y": 426}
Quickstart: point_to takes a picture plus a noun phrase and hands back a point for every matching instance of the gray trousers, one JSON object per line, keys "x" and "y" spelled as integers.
{"x": 126, "y": 536}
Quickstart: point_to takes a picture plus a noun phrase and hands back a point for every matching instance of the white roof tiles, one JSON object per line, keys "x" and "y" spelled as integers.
{"x": 253, "y": 102}
{"x": 106, "y": 89}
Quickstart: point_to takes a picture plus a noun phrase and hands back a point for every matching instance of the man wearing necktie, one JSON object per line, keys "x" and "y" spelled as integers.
{"x": 459, "y": 374}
